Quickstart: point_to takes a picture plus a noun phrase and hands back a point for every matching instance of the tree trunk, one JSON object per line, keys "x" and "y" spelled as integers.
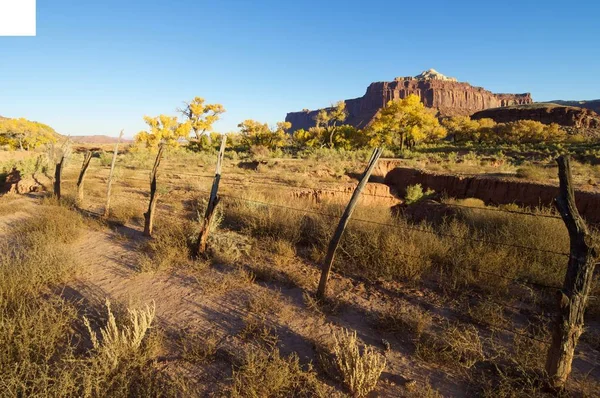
{"x": 86, "y": 162}
{"x": 149, "y": 215}
{"x": 573, "y": 297}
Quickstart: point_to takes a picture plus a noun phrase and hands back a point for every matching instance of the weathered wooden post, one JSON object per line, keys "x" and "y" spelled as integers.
{"x": 110, "y": 176}
{"x": 58, "y": 175}
{"x": 213, "y": 200}
{"x": 86, "y": 162}
{"x": 149, "y": 215}
{"x": 337, "y": 236}
{"x": 573, "y": 297}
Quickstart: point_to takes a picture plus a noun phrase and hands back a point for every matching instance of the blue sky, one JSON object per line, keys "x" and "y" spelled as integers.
{"x": 97, "y": 67}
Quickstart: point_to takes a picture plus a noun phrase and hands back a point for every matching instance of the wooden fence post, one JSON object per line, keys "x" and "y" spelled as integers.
{"x": 149, "y": 215}
{"x": 337, "y": 236}
{"x": 573, "y": 297}
{"x": 86, "y": 162}
{"x": 58, "y": 175}
{"x": 213, "y": 200}
{"x": 110, "y": 176}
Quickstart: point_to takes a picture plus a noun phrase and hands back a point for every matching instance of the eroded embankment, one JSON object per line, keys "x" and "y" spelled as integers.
{"x": 491, "y": 190}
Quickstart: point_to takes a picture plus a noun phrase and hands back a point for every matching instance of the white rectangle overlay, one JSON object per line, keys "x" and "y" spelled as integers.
{"x": 18, "y": 18}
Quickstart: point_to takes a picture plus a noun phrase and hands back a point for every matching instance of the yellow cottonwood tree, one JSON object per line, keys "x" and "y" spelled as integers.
{"x": 255, "y": 133}
{"x": 163, "y": 128}
{"x": 330, "y": 120}
{"x": 24, "y": 134}
{"x": 346, "y": 137}
{"x": 465, "y": 129}
{"x": 404, "y": 122}
{"x": 202, "y": 117}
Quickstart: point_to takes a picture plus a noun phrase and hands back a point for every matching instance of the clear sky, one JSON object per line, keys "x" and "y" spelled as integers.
{"x": 98, "y": 66}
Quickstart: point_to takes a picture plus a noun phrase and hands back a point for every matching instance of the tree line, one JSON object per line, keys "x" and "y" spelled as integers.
{"x": 402, "y": 123}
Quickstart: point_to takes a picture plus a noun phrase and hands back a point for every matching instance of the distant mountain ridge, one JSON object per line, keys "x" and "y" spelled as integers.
{"x": 593, "y": 105}
{"x": 96, "y": 139}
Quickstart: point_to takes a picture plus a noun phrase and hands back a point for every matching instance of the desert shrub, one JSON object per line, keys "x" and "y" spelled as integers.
{"x": 405, "y": 320}
{"x": 117, "y": 342}
{"x": 200, "y": 347}
{"x": 414, "y": 193}
{"x": 41, "y": 334}
{"x": 169, "y": 245}
{"x": 268, "y": 374}
{"x": 532, "y": 173}
{"x": 455, "y": 345}
{"x": 122, "y": 211}
{"x": 357, "y": 368}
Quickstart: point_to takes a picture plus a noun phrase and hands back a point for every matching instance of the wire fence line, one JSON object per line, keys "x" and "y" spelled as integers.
{"x": 176, "y": 215}
{"x": 270, "y": 182}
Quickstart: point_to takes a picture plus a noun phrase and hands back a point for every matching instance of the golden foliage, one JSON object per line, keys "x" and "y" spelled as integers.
{"x": 255, "y": 133}
{"x": 404, "y": 122}
{"x": 24, "y": 134}
{"x": 201, "y": 116}
{"x": 165, "y": 129}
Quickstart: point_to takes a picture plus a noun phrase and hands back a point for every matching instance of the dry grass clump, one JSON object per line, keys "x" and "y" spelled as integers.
{"x": 123, "y": 212}
{"x": 357, "y": 368}
{"x": 405, "y": 320}
{"x": 268, "y": 374}
{"x": 488, "y": 312}
{"x": 200, "y": 348}
{"x": 536, "y": 173}
{"x": 121, "y": 341}
{"x": 168, "y": 247}
{"x": 455, "y": 345}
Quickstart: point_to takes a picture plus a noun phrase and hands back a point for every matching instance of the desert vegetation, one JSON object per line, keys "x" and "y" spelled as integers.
{"x": 439, "y": 297}
{"x": 430, "y": 295}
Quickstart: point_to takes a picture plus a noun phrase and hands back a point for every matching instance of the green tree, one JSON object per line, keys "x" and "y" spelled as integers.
{"x": 330, "y": 120}
{"x": 404, "y": 122}
{"x": 163, "y": 128}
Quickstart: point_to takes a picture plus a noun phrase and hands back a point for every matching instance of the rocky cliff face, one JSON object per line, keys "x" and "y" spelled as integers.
{"x": 546, "y": 113}
{"x": 444, "y": 94}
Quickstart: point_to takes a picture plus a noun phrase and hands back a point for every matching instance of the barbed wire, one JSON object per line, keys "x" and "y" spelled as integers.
{"x": 401, "y": 227}
{"x": 233, "y": 180}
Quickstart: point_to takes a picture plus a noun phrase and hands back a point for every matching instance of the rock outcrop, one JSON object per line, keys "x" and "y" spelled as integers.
{"x": 444, "y": 94}
{"x": 546, "y": 113}
{"x": 593, "y": 105}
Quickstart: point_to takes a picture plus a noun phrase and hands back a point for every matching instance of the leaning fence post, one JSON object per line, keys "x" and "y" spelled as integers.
{"x": 337, "y": 236}
{"x": 573, "y": 297}
{"x": 110, "y": 175}
{"x": 149, "y": 215}
{"x": 213, "y": 200}
{"x": 86, "y": 162}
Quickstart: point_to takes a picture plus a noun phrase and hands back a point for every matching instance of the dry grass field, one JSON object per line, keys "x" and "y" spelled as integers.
{"x": 453, "y": 303}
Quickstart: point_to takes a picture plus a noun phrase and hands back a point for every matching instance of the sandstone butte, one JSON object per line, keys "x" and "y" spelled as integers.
{"x": 444, "y": 94}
